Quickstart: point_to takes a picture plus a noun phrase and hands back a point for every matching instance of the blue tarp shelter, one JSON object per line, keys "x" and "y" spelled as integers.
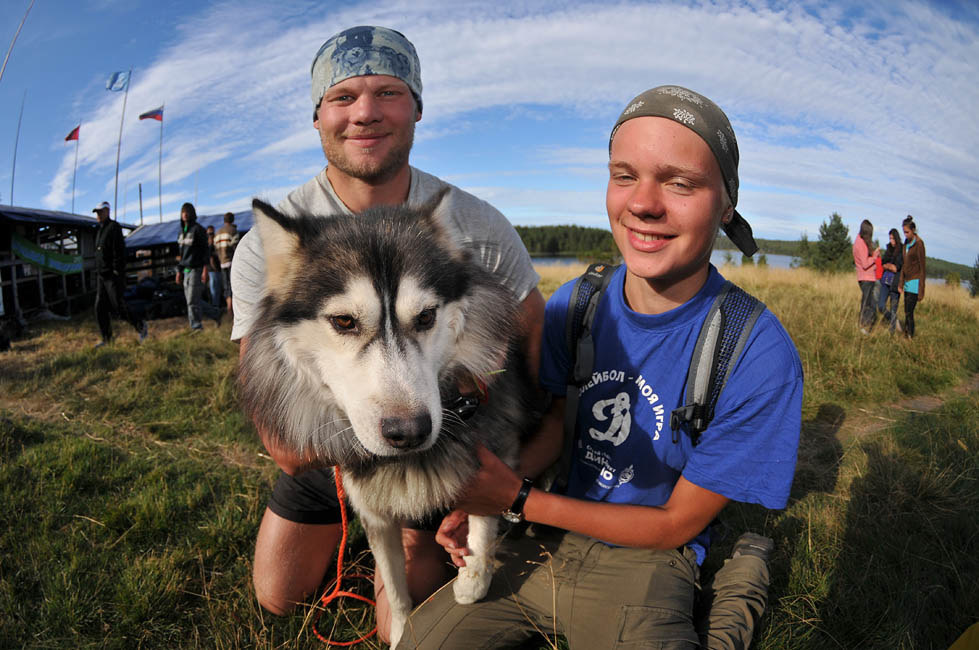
{"x": 150, "y": 235}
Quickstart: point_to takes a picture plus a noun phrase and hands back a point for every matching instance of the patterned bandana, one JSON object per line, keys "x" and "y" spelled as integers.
{"x": 361, "y": 51}
{"x": 706, "y": 119}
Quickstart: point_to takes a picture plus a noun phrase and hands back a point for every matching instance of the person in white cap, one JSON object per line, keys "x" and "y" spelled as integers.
{"x": 366, "y": 90}
{"x": 110, "y": 274}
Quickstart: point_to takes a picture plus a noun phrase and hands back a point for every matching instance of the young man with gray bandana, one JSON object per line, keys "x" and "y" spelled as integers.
{"x": 367, "y": 94}
{"x": 614, "y": 560}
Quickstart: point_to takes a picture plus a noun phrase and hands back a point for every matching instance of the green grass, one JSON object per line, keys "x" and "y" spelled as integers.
{"x": 884, "y": 554}
{"x": 132, "y": 487}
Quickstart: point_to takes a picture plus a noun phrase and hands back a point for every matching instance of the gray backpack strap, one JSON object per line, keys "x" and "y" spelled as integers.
{"x": 722, "y": 338}
{"x": 584, "y": 300}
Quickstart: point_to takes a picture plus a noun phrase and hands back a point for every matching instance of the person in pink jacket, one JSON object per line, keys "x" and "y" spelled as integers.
{"x": 866, "y": 263}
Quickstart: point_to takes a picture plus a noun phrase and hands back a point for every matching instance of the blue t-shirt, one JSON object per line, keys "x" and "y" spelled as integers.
{"x": 624, "y": 451}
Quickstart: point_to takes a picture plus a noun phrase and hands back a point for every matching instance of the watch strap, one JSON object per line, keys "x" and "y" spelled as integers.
{"x": 515, "y": 512}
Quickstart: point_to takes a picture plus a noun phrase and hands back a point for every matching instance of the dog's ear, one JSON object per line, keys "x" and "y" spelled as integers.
{"x": 280, "y": 245}
{"x": 483, "y": 322}
{"x": 432, "y": 214}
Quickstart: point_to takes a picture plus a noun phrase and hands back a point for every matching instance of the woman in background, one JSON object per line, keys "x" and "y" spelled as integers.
{"x": 890, "y": 282}
{"x": 913, "y": 273}
{"x": 866, "y": 263}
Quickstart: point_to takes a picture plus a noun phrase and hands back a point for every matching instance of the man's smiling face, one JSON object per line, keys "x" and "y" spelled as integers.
{"x": 665, "y": 200}
{"x": 367, "y": 126}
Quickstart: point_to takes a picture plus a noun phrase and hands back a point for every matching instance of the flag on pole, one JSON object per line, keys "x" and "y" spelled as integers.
{"x": 118, "y": 81}
{"x": 74, "y": 134}
{"x": 155, "y": 114}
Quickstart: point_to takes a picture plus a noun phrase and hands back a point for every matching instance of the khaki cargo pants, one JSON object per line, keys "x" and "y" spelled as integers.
{"x": 551, "y": 582}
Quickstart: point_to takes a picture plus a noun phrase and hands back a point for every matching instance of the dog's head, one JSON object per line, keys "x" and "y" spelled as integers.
{"x": 367, "y": 316}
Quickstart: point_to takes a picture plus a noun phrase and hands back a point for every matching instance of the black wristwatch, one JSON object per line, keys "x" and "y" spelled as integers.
{"x": 514, "y": 514}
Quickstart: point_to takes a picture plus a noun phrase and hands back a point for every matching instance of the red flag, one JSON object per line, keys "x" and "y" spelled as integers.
{"x": 74, "y": 133}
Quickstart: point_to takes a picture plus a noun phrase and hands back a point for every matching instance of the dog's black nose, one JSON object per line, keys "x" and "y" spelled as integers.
{"x": 406, "y": 433}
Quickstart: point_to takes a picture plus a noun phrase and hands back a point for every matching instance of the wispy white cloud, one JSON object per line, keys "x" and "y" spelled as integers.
{"x": 862, "y": 109}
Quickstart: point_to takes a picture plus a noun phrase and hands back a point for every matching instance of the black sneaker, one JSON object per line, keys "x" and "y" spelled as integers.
{"x": 752, "y": 544}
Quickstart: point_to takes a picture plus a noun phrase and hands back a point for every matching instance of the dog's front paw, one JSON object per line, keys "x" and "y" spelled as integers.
{"x": 474, "y": 579}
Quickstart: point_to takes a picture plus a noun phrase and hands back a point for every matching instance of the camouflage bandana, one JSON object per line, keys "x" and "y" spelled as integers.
{"x": 361, "y": 51}
{"x": 706, "y": 119}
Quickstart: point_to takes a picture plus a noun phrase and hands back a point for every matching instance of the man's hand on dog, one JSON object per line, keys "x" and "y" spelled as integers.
{"x": 452, "y": 535}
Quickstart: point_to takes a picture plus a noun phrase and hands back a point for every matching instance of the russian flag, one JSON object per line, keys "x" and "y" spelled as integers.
{"x": 74, "y": 133}
{"x": 155, "y": 114}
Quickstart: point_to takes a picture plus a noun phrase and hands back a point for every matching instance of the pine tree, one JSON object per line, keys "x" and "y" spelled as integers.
{"x": 804, "y": 252}
{"x": 833, "y": 251}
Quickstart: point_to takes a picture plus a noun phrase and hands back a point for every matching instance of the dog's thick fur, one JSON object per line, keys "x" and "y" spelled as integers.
{"x": 369, "y": 325}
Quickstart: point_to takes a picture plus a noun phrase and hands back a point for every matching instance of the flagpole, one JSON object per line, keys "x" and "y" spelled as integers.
{"x": 16, "y": 34}
{"x": 13, "y": 170}
{"x": 129, "y": 80}
{"x": 159, "y": 171}
{"x": 73, "y": 172}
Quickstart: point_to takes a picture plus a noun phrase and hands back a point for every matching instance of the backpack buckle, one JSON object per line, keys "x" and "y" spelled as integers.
{"x": 691, "y": 414}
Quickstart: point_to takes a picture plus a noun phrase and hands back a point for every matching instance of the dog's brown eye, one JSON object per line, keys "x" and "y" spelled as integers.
{"x": 425, "y": 319}
{"x": 344, "y": 323}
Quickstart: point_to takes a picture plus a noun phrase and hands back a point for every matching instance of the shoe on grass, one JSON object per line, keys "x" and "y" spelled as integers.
{"x": 100, "y": 344}
{"x": 752, "y": 544}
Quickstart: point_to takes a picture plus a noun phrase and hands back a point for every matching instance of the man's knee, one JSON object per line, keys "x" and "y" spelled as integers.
{"x": 291, "y": 560}
{"x": 272, "y": 602}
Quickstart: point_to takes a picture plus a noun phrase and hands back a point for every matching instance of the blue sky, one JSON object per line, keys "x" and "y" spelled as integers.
{"x": 864, "y": 108}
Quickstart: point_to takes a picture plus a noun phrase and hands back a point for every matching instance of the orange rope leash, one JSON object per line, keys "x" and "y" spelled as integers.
{"x": 326, "y": 599}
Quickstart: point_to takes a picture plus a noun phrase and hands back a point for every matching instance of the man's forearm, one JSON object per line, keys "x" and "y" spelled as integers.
{"x": 681, "y": 519}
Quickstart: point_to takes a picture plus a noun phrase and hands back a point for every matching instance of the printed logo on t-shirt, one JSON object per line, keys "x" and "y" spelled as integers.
{"x": 616, "y": 412}
{"x": 627, "y": 405}
{"x": 608, "y": 477}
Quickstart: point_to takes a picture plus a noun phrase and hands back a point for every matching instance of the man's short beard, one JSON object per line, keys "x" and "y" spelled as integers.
{"x": 372, "y": 173}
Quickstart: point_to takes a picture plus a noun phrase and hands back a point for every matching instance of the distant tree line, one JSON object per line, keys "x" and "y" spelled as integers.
{"x": 577, "y": 241}
{"x": 766, "y": 246}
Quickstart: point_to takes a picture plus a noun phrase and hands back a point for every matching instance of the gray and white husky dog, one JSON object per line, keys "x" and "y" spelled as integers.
{"x": 369, "y": 326}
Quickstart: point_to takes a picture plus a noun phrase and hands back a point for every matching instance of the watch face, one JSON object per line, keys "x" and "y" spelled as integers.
{"x": 512, "y": 517}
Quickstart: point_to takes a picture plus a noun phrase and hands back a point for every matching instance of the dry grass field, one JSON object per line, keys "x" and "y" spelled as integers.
{"x": 132, "y": 486}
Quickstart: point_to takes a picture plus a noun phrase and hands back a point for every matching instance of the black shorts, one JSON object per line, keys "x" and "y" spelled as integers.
{"x": 311, "y": 498}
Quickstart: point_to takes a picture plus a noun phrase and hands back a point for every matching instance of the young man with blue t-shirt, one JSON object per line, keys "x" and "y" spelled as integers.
{"x": 623, "y": 545}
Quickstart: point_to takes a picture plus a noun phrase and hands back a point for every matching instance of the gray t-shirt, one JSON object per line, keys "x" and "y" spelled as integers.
{"x": 475, "y": 223}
